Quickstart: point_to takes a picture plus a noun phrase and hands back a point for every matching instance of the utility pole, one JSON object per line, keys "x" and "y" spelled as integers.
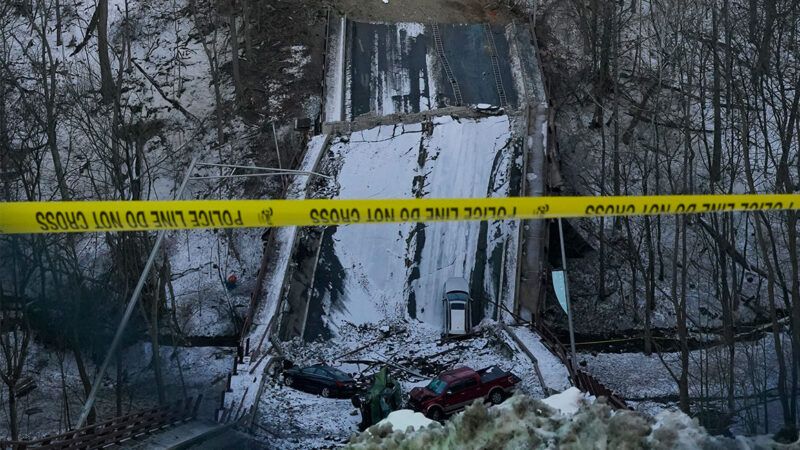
{"x": 98, "y": 379}
{"x": 566, "y": 290}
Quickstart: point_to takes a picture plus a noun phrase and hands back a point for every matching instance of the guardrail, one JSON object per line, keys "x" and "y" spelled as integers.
{"x": 580, "y": 378}
{"x": 585, "y": 382}
{"x": 116, "y": 430}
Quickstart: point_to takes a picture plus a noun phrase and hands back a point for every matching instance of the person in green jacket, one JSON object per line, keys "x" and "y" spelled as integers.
{"x": 384, "y": 396}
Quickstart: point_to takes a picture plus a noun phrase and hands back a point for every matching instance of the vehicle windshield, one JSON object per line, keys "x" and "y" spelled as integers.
{"x": 438, "y": 386}
{"x": 337, "y": 374}
{"x": 457, "y": 297}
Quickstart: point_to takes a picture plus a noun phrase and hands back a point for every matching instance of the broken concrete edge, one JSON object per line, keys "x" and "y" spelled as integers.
{"x": 367, "y": 121}
{"x": 202, "y": 437}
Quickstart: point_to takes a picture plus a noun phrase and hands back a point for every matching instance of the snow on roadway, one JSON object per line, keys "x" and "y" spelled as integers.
{"x": 554, "y": 372}
{"x": 461, "y": 162}
{"x": 375, "y": 163}
{"x": 394, "y": 271}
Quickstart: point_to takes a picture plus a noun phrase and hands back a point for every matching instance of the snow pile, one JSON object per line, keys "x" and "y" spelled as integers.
{"x": 568, "y": 402}
{"x": 524, "y": 423}
{"x": 404, "y": 419}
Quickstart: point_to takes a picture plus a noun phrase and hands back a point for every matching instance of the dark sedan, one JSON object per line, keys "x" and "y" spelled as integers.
{"x": 319, "y": 379}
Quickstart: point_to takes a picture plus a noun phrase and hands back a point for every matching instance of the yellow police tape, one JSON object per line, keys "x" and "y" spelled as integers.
{"x": 93, "y": 216}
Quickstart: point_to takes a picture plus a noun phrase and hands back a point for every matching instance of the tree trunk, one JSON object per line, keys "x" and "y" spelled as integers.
{"x": 601, "y": 274}
{"x": 679, "y": 303}
{"x": 118, "y": 383}
{"x": 237, "y": 75}
{"x": 248, "y": 36}
{"x": 65, "y": 410}
{"x": 85, "y": 380}
{"x": 683, "y": 332}
{"x": 156, "y": 360}
{"x": 48, "y": 74}
{"x": 58, "y": 22}
{"x": 791, "y": 235}
{"x": 13, "y": 422}
{"x": 650, "y": 286}
{"x": 106, "y": 79}
{"x": 727, "y": 314}
{"x": 716, "y": 156}
{"x": 213, "y": 64}
{"x": 633, "y": 261}
{"x": 608, "y": 10}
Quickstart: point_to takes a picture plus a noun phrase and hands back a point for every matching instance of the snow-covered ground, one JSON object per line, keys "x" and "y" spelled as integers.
{"x": 291, "y": 419}
{"x": 648, "y": 385}
{"x": 567, "y": 402}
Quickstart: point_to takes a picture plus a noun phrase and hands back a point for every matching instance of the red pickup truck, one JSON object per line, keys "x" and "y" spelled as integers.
{"x": 454, "y": 390}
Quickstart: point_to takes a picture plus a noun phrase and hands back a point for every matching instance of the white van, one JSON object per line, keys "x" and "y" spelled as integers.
{"x": 457, "y": 307}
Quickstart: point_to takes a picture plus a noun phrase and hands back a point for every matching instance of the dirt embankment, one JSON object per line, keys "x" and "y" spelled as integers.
{"x": 425, "y": 11}
{"x": 284, "y": 66}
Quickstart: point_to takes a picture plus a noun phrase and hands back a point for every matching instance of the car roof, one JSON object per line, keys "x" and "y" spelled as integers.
{"x": 456, "y": 284}
{"x": 456, "y": 374}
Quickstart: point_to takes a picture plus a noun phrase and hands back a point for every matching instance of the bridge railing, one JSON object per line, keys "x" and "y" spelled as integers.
{"x": 116, "y": 430}
{"x": 580, "y": 378}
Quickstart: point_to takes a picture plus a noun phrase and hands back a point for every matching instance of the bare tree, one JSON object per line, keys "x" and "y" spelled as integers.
{"x": 15, "y": 337}
{"x": 106, "y": 79}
